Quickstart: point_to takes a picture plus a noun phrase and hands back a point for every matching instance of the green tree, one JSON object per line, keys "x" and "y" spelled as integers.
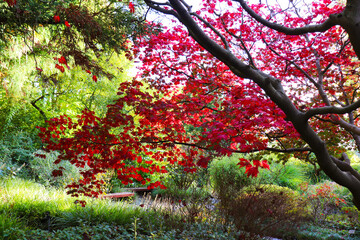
{"x": 59, "y": 57}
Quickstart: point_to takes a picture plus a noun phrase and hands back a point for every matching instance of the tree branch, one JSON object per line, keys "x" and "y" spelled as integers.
{"x": 156, "y": 6}
{"x": 345, "y": 166}
{"x": 330, "y": 22}
{"x": 223, "y": 39}
{"x": 332, "y": 110}
{"x": 33, "y": 103}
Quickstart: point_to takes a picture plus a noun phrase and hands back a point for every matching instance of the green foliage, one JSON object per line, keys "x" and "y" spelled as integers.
{"x": 7, "y": 222}
{"x": 106, "y": 231}
{"x": 15, "y": 152}
{"x": 192, "y": 203}
{"x": 32, "y": 88}
{"x": 17, "y": 116}
{"x": 325, "y": 232}
{"x": 287, "y": 173}
{"x": 32, "y": 202}
{"x": 17, "y": 148}
{"x": 45, "y": 213}
{"x": 41, "y": 169}
{"x": 227, "y": 179}
{"x": 178, "y": 178}
{"x": 352, "y": 216}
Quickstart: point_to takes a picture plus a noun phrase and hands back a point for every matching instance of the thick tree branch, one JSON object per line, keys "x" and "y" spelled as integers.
{"x": 345, "y": 166}
{"x": 332, "y": 110}
{"x": 349, "y": 127}
{"x": 330, "y": 22}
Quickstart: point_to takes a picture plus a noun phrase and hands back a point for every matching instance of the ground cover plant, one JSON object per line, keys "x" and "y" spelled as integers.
{"x": 31, "y": 211}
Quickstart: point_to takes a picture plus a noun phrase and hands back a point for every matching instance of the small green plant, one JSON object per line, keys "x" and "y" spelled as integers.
{"x": 286, "y": 174}
{"x": 8, "y": 221}
{"x": 15, "y": 153}
{"x": 17, "y": 147}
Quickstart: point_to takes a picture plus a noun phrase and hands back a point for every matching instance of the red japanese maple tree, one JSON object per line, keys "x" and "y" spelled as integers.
{"x": 303, "y": 56}
{"x": 239, "y": 78}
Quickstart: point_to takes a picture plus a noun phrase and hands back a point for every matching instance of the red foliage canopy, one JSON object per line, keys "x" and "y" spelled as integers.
{"x": 183, "y": 96}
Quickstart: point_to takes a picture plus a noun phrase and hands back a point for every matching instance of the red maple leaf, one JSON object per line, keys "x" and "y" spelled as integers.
{"x": 132, "y": 7}
{"x": 61, "y": 68}
{"x": 67, "y": 24}
{"x": 56, "y": 18}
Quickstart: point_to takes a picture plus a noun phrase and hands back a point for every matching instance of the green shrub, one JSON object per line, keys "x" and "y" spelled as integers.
{"x": 42, "y": 168}
{"x": 18, "y": 147}
{"x": 290, "y": 174}
{"x": 188, "y": 188}
{"x": 15, "y": 153}
{"x": 226, "y": 178}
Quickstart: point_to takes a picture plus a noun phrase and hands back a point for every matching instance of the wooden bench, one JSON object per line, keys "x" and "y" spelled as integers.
{"x": 126, "y": 194}
{"x": 117, "y": 195}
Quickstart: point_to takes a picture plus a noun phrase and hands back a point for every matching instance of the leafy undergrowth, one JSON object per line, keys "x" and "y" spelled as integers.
{"x": 328, "y": 231}
{"x": 28, "y": 210}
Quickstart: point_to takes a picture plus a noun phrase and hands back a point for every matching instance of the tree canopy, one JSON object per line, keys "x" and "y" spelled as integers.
{"x": 54, "y": 53}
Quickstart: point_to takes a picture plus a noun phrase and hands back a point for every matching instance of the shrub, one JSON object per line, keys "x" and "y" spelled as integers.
{"x": 42, "y": 168}
{"x": 289, "y": 174}
{"x": 226, "y": 178}
{"x": 323, "y": 199}
{"x": 266, "y": 210}
{"x": 192, "y": 204}
{"x": 352, "y": 214}
{"x": 17, "y": 147}
{"x": 187, "y": 190}
{"x": 15, "y": 153}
